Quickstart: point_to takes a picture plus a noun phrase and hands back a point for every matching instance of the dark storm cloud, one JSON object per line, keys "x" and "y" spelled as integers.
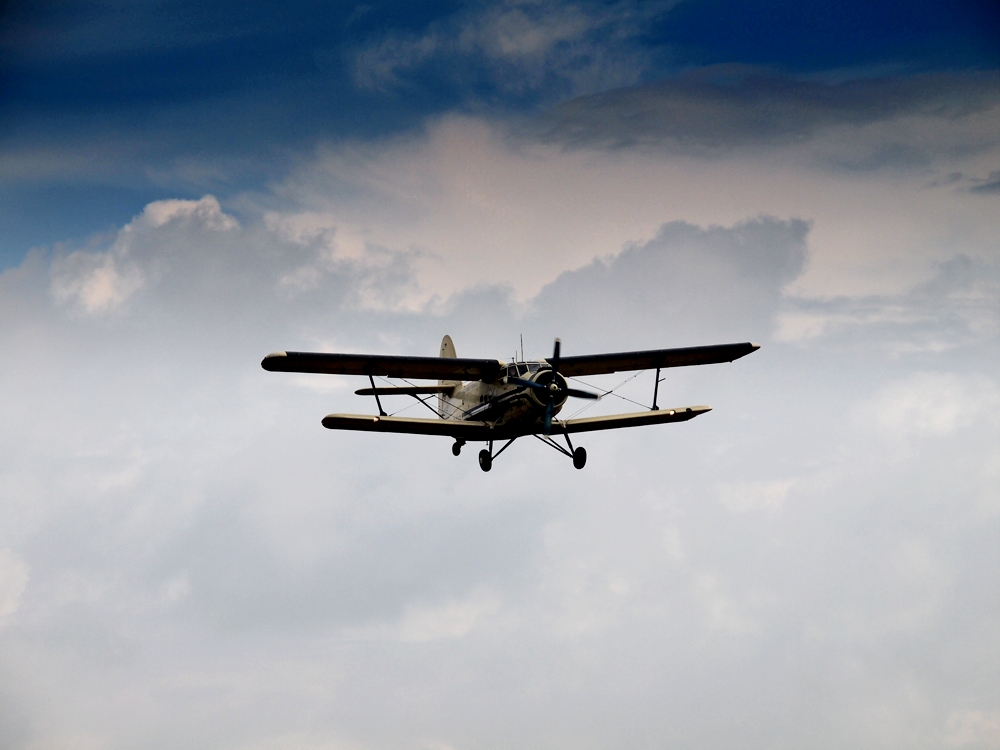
{"x": 723, "y": 107}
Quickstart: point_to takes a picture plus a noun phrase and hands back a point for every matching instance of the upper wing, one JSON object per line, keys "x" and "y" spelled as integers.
{"x": 457, "y": 428}
{"x": 635, "y": 419}
{"x": 599, "y": 364}
{"x": 433, "y": 368}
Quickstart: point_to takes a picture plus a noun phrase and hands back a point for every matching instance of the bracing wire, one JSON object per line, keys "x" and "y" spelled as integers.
{"x": 610, "y": 392}
{"x": 409, "y": 406}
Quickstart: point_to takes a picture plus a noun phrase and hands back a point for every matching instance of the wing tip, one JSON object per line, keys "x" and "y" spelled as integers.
{"x": 272, "y": 360}
{"x": 754, "y": 347}
{"x": 343, "y": 421}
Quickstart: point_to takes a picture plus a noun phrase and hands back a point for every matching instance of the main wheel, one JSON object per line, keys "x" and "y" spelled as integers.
{"x": 485, "y": 460}
{"x": 456, "y": 448}
{"x": 580, "y": 457}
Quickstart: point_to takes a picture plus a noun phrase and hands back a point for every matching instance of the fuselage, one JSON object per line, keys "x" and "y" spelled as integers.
{"x": 502, "y": 403}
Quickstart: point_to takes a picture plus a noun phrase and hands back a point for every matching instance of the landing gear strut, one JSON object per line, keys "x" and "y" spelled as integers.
{"x": 486, "y": 455}
{"x": 579, "y": 454}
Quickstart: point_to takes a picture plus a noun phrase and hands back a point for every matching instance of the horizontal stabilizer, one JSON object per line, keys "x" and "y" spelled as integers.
{"x": 406, "y": 390}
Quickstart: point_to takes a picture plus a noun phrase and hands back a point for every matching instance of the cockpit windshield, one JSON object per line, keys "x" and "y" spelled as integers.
{"x": 520, "y": 369}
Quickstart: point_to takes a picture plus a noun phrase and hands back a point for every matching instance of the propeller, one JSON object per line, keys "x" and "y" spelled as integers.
{"x": 553, "y": 390}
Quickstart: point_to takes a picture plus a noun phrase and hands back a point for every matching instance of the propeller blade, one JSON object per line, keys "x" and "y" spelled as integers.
{"x": 548, "y": 417}
{"x": 555, "y": 356}
{"x": 527, "y": 384}
{"x": 581, "y": 394}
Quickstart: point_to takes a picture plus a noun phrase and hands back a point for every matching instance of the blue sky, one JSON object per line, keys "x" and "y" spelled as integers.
{"x": 188, "y": 559}
{"x": 101, "y": 100}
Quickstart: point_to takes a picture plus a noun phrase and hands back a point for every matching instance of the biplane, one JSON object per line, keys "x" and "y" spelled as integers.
{"x": 493, "y": 400}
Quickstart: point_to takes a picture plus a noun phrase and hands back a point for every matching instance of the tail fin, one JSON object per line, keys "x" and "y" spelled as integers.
{"x": 448, "y": 347}
{"x": 445, "y": 408}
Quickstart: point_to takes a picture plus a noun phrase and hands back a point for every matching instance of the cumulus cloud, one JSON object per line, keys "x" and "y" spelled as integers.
{"x": 677, "y": 278}
{"x": 472, "y": 202}
{"x": 96, "y": 281}
{"x": 206, "y": 213}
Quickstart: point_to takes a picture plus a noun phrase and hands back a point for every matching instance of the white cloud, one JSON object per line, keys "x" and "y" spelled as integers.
{"x": 451, "y": 619}
{"x": 722, "y": 612}
{"x": 470, "y": 203}
{"x": 13, "y": 582}
{"x": 97, "y": 282}
{"x": 746, "y": 496}
{"x": 205, "y": 212}
{"x": 973, "y": 729}
{"x": 932, "y": 403}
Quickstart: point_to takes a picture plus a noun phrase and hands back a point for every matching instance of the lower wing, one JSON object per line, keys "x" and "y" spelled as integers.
{"x": 456, "y": 428}
{"x": 469, "y": 430}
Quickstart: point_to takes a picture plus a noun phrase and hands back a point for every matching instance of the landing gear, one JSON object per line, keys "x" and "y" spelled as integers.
{"x": 486, "y": 455}
{"x": 579, "y": 455}
{"x": 456, "y": 447}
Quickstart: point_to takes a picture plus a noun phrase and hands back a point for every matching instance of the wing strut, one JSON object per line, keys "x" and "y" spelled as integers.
{"x": 656, "y": 390}
{"x": 381, "y": 411}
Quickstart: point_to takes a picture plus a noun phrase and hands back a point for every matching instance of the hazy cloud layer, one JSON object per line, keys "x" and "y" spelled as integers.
{"x": 187, "y": 557}
{"x": 728, "y": 106}
{"x": 470, "y": 201}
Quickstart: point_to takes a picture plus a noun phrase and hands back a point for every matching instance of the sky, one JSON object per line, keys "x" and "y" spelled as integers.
{"x": 188, "y": 559}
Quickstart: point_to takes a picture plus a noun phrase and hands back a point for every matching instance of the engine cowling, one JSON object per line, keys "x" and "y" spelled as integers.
{"x": 552, "y": 381}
